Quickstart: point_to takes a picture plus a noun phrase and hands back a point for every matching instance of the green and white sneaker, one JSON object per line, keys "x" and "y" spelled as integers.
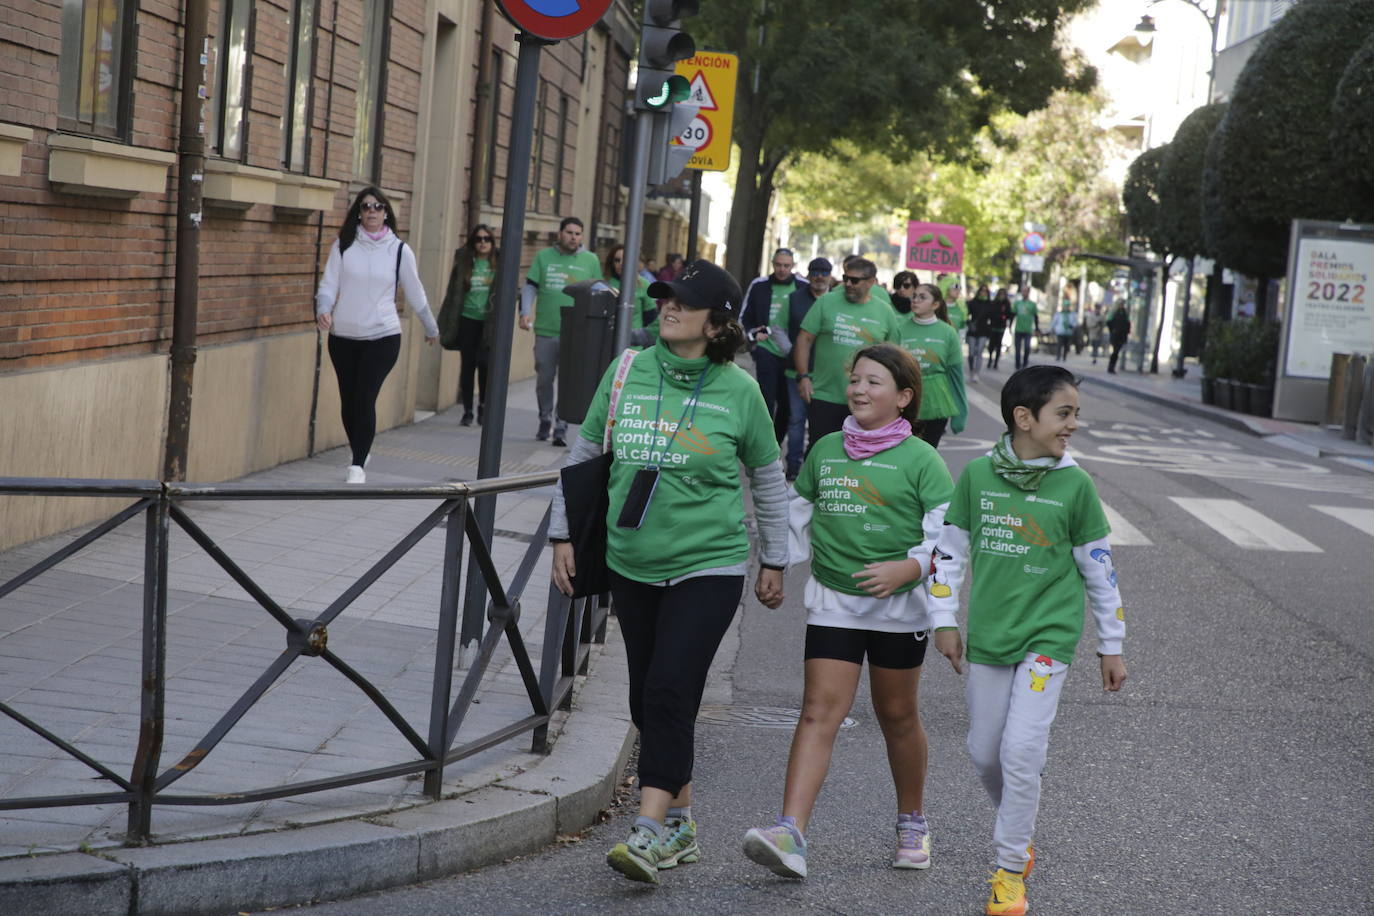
{"x": 637, "y": 858}
{"x": 678, "y": 845}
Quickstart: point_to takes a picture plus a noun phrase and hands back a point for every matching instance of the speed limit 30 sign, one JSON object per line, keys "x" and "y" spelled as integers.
{"x": 711, "y": 75}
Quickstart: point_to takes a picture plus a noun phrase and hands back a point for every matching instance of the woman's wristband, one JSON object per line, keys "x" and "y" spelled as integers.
{"x": 560, "y": 540}
{"x": 772, "y": 567}
{"x": 802, "y": 375}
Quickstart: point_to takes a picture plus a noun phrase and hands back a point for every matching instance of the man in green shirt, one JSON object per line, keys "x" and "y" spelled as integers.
{"x": 1026, "y": 320}
{"x": 840, "y": 322}
{"x": 554, "y": 268}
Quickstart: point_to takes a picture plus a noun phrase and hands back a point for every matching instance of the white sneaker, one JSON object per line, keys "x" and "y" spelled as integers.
{"x": 356, "y": 475}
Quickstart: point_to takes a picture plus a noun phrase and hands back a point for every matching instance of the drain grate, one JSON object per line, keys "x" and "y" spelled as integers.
{"x": 757, "y": 716}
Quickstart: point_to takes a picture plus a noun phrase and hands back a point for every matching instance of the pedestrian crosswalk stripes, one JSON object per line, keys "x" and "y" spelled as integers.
{"x": 1124, "y": 534}
{"x": 1244, "y": 526}
{"x": 1362, "y": 519}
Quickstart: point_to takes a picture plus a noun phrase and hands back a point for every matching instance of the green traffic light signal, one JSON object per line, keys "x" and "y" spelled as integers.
{"x": 673, "y": 90}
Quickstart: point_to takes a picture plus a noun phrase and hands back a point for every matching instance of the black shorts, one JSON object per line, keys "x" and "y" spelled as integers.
{"x": 884, "y": 650}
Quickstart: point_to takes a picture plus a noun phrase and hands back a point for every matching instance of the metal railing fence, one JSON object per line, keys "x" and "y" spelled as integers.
{"x": 569, "y": 629}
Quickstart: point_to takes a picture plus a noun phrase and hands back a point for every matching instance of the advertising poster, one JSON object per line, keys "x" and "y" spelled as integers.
{"x": 1331, "y": 303}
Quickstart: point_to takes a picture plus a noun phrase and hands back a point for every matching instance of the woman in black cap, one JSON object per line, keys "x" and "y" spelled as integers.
{"x": 685, "y": 418}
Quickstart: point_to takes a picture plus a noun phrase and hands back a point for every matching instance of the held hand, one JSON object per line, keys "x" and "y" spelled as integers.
{"x": 564, "y": 568}
{"x": 951, "y": 645}
{"x": 429, "y": 341}
{"x": 882, "y": 579}
{"x": 1113, "y": 672}
{"x": 525, "y": 323}
{"x": 804, "y": 388}
{"x": 324, "y": 321}
{"x": 768, "y": 588}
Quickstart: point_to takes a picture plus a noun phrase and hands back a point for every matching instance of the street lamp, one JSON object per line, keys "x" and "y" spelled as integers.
{"x": 1146, "y": 26}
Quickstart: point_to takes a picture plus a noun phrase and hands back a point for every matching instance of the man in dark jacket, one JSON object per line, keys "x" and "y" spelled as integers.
{"x": 765, "y": 321}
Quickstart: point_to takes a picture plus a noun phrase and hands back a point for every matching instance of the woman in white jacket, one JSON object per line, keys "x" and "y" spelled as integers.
{"x": 356, "y": 306}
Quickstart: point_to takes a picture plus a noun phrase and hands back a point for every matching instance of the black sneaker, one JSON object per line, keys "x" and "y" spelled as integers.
{"x": 544, "y": 427}
{"x": 467, "y": 418}
{"x": 558, "y": 442}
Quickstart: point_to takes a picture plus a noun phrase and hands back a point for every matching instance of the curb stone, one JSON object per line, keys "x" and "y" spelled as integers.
{"x": 561, "y": 793}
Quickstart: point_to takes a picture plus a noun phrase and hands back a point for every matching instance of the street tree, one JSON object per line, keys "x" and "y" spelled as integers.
{"x": 1140, "y": 197}
{"x": 1271, "y": 159}
{"x": 895, "y": 76}
{"x": 1180, "y": 183}
{"x": 1352, "y": 126}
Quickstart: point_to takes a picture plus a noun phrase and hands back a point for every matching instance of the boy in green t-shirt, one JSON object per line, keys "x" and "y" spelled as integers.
{"x": 1028, "y": 520}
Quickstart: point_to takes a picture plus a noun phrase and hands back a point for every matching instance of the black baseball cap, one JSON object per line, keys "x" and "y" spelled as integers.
{"x": 819, "y": 266}
{"x": 702, "y": 285}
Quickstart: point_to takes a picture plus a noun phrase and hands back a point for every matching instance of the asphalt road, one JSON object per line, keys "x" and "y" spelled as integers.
{"x": 1232, "y": 774}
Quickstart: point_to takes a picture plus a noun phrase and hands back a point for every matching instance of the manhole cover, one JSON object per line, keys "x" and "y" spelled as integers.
{"x": 757, "y": 716}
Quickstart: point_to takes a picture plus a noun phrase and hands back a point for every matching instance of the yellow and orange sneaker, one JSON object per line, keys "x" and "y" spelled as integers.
{"x": 1030, "y": 860}
{"x": 1008, "y": 897}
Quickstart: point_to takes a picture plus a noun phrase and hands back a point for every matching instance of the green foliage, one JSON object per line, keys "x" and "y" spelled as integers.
{"x": 1217, "y": 353}
{"x": 1352, "y": 127}
{"x": 1273, "y": 158}
{"x": 1047, "y": 166}
{"x": 1140, "y": 196}
{"x": 1243, "y": 350}
{"x": 1180, "y": 183}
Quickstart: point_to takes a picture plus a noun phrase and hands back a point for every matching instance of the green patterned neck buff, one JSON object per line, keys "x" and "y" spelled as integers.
{"x": 1024, "y": 475}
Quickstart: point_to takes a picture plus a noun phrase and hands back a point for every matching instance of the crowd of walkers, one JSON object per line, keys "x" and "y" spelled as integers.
{"x": 837, "y": 428}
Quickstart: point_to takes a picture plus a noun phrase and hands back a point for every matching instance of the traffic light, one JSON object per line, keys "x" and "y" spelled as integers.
{"x": 667, "y": 159}
{"x": 662, "y": 44}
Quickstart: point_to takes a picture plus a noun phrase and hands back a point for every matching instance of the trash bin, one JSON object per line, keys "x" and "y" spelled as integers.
{"x": 585, "y": 345}
{"x": 1335, "y": 389}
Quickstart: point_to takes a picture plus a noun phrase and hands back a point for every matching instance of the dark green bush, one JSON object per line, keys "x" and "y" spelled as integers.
{"x": 1180, "y": 183}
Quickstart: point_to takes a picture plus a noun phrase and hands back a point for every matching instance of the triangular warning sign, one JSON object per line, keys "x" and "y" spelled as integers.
{"x": 700, "y": 93}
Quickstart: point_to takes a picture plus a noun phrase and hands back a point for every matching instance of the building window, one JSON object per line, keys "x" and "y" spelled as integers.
{"x": 300, "y": 66}
{"x": 494, "y": 126}
{"x": 533, "y": 199}
{"x": 367, "y": 125}
{"x": 96, "y": 66}
{"x": 229, "y": 87}
{"x": 560, "y": 154}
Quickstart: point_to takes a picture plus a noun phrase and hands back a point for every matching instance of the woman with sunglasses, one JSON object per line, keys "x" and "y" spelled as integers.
{"x": 356, "y": 306}
{"x": 643, "y": 310}
{"x": 903, "y": 288}
{"x": 463, "y": 321}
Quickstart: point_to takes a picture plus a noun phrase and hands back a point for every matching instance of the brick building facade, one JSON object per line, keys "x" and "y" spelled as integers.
{"x": 308, "y": 101}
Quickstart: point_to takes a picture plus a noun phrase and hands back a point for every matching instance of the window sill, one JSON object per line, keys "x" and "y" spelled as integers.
{"x": 99, "y": 168}
{"x": 12, "y": 141}
{"x": 298, "y": 194}
{"x": 234, "y": 186}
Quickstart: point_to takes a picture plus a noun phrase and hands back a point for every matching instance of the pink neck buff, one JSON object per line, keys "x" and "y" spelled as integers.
{"x": 376, "y": 236}
{"x": 865, "y": 443}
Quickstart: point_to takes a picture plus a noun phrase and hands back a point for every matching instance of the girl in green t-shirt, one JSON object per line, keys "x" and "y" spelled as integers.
{"x": 1028, "y": 521}
{"x": 870, "y": 502}
{"x": 643, "y": 312}
{"x": 463, "y": 324}
{"x": 933, "y": 341}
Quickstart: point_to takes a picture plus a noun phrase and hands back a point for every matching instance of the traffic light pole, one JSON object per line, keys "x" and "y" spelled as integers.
{"x": 505, "y": 296}
{"x": 634, "y": 228}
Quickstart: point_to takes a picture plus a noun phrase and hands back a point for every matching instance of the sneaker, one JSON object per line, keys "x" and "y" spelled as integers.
{"x": 544, "y": 427}
{"x": 913, "y": 842}
{"x": 781, "y": 848}
{"x": 1008, "y": 897}
{"x": 678, "y": 845}
{"x": 1030, "y": 861}
{"x": 559, "y": 442}
{"x": 637, "y": 857}
{"x": 355, "y": 475}
{"x": 467, "y": 418}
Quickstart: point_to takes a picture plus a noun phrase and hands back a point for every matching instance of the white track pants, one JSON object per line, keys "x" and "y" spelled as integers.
{"x": 1011, "y": 708}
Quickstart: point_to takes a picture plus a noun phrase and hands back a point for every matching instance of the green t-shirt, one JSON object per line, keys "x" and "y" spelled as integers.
{"x": 842, "y": 327}
{"x": 876, "y": 292}
{"x": 553, "y": 270}
{"x": 642, "y": 303}
{"x": 1024, "y": 312}
{"x": 1027, "y": 593}
{"x": 868, "y": 510}
{"x": 778, "y": 294}
{"x": 696, "y": 517}
{"x": 937, "y": 348}
{"x": 958, "y": 314}
{"x": 478, "y": 299}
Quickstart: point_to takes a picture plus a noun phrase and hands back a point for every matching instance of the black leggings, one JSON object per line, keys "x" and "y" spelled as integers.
{"x": 361, "y": 367}
{"x": 933, "y": 430}
{"x": 474, "y": 361}
{"x": 671, "y": 636}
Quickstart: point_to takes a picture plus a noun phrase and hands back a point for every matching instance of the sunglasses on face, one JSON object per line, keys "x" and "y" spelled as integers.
{"x": 373, "y": 207}
{"x": 479, "y": 239}
{"x": 855, "y": 280}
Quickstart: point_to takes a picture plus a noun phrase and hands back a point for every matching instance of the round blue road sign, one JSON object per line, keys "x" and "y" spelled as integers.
{"x": 554, "y": 19}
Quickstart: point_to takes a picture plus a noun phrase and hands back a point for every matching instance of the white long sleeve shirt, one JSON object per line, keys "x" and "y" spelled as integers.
{"x": 359, "y": 289}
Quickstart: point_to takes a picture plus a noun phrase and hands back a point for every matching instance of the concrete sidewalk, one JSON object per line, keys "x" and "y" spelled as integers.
{"x": 1185, "y": 394}
{"x": 70, "y": 645}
